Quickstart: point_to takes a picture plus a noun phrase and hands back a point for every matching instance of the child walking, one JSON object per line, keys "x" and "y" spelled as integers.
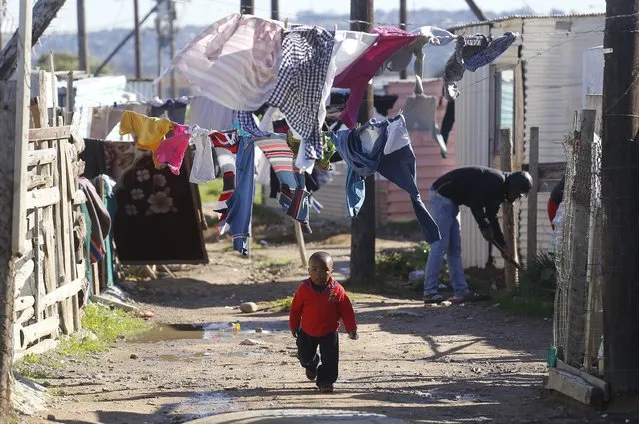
{"x": 318, "y": 305}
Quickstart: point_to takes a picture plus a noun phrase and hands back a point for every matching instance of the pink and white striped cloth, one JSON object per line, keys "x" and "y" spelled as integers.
{"x": 234, "y": 61}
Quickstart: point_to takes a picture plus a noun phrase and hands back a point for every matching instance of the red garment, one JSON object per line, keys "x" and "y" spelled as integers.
{"x": 357, "y": 75}
{"x": 320, "y": 313}
{"x": 552, "y": 211}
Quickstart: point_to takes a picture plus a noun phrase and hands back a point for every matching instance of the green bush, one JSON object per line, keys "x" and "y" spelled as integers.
{"x": 535, "y": 293}
{"x": 397, "y": 264}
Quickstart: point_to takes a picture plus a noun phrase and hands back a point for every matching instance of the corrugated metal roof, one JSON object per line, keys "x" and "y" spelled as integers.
{"x": 505, "y": 18}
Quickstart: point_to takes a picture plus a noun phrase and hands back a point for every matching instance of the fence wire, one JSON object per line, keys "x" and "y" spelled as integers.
{"x": 578, "y": 320}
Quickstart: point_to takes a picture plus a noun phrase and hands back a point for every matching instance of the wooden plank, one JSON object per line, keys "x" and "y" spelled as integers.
{"x": 38, "y": 261}
{"x": 508, "y": 214}
{"x": 533, "y": 163}
{"x": 62, "y": 231}
{"x": 573, "y": 386}
{"x": 519, "y": 115}
{"x": 34, "y": 180}
{"x": 549, "y": 171}
{"x": 35, "y": 113}
{"x": 35, "y": 331}
{"x": 43, "y": 98}
{"x": 41, "y": 157}
{"x": 25, "y": 316}
{"x": 577, "y": 270}
{"x": 597, "y": 382}
{"x": 51, "y": 133}
{"x": 299, "y": 236}
{"x": 79, "y": 197}
{"x": 42, "y": 347}
{"x": 40, "y": 198}
{"x": 63, "y": 292}
{"x": 22, "y": 275}
{"x": 96, "y": 278}
{"x": 24, "y": 302}
{"x": 73, "y": 186}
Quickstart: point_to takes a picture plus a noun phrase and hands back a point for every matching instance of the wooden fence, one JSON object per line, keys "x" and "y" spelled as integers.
{"x": 50, "y": 283}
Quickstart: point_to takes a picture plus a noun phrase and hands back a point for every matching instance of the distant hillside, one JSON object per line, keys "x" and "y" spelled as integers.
{"x": 101, "y": 43}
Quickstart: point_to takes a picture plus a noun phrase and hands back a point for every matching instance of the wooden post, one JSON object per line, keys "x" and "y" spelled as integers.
{"x": 22, "y": 130}
{"x": 138, "y": 55}
{"x": 247, "y": 7}
{"x": 83, "y": 45}
{"x": 275, "y": 10}
{"x": 299, "y": 236}
{"x": 533, "y": 169}
{"x": 7, "y": 263}
{"x": 506, "y": 147}
{"x": 362, "y": 264}
{"x": 620, "y": 155}
{"x": 402, "y": 25}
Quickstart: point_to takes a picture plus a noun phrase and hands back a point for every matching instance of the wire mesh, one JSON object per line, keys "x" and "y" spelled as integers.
{"x": 578, "y": 322}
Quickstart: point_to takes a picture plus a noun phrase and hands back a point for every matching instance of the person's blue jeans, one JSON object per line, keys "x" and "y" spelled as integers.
{"x": 446, "y": 215}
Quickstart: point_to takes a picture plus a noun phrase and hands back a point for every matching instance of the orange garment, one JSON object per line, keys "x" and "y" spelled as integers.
{"x": 149, "y": 132}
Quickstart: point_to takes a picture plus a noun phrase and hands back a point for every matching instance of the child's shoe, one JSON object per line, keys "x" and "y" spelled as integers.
{"x": 311, "y": 374}
{"x": 326, "y": 389}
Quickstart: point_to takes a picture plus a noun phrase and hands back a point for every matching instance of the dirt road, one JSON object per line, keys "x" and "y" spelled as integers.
{"x": 469, "y": 363}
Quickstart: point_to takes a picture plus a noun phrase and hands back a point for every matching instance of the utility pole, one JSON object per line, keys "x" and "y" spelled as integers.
{"x": 402, "y": 25}
{"x": 620, "y": 197}
{"x": 275, "y": 10}
{"x": 247, "y": 7}
{"x": 136, "y": 16}
{"x": 476, "y": 10}
{"x": 363, "y": 225}
{"x": 172, "y": 31}
{"x": 83, "y": 45}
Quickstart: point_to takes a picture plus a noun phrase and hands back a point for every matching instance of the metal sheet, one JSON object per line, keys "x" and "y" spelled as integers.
{"x": 472, "y": 146}
{"x": 553, "y": 77}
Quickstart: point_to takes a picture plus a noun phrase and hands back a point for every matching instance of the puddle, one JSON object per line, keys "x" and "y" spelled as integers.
{"x": 219, "y": 331}
{"x": 194, "y": 357}
{"x": 204, "y": 404}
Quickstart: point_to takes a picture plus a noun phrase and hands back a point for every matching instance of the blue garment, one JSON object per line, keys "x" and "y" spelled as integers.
{"x": 294, "y": 200}
{"x": 240, "y": 205}
{"x": 365, "y": 157}
{"x": 494, "y": 49}
{"x": 247, "y": 124}
{"x": 446, "y": 214}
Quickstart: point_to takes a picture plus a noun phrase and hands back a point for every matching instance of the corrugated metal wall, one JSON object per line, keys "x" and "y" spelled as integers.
{"x": 332, "y": 195}
{"x": 553, "y": 77}
{"x": 472, "y": 146}
{"x": 430, "y": 164}
{"x": 554, "y": 92}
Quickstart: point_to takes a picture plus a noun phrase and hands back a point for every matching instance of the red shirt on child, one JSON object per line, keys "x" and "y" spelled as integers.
{"x": 319, "y": 312}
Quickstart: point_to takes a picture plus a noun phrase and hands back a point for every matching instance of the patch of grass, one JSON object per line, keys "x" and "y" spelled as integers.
{"x": 397, "y": 264}
{"x": 210, "y": 192}
{"x": 535, "y": 294}
{"x": 280, "y": 305}
{"x": 101, "y": 326}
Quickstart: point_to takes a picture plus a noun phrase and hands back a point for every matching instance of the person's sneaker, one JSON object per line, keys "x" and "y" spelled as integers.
{"x": 468, "y": 297}
{"x": 311, "y": 374}
{"x": 430, "y": 299}
{"x": 326, "y": 389}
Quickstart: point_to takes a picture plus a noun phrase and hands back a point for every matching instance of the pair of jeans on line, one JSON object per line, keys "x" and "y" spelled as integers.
{"x": 446, "y": 215}
{"x": 383, "y": 147}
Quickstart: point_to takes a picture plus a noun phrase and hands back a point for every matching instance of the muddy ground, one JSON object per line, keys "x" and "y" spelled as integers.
{"x": 458, "y": 364}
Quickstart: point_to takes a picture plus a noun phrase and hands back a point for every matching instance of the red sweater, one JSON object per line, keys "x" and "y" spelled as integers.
{"x": 319, "y": 313}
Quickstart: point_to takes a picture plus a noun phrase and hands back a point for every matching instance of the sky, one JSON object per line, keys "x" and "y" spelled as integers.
{"x": 110, "y": 14}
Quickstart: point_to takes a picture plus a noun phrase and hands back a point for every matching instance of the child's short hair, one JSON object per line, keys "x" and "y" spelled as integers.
{"x": 321, "y": 256}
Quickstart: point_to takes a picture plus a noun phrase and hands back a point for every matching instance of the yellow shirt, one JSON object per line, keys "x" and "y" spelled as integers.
{"x": 149, "y": 132}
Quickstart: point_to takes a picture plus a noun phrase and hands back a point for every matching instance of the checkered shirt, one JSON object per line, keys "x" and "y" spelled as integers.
{"x": 306, "y": 54}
